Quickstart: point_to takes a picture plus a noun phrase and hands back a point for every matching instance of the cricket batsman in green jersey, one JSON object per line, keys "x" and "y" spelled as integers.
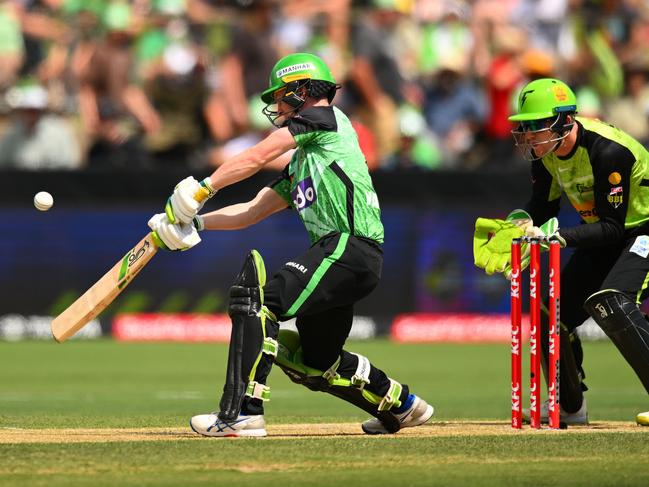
{"x": 327, "y": 183}
{"x": 604, "y": 173}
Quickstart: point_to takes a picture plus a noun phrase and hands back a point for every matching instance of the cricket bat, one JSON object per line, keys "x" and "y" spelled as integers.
{"x": 104, "y": 291}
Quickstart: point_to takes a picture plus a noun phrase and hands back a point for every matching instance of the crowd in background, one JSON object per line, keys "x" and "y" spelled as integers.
{"x": 428, "y": 84}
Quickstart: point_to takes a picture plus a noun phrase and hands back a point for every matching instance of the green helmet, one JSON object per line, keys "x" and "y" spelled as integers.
{"x": 294, "y": 67}
{"x": 544, "y": 98}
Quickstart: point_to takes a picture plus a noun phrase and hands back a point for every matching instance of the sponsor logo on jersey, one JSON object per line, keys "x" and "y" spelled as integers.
{"x": 297, "y": 266}
{"x": 615, "y": 178}
{"x": 616, "y": 196}
{"x": 641, "y": 246}
{"x": 588, "y": 213}
{"x": 586, "y": 210}
{"x": 304, "y": 194}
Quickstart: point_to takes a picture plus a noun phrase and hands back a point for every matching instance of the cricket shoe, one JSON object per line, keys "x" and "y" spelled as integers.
{"x": 417, "y": 414}
{"x": 642, "y": 418}
{"x": 577, "y": 418}
{"x": 211, "y": 425}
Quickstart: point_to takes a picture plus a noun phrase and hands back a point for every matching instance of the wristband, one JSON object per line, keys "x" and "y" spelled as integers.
{"x": 205, "y": 191}
{"x": 199, "y": 223}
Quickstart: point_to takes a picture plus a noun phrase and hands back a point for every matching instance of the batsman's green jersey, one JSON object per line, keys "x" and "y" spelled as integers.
{"x": 327, "y": 181}
{"x": 606, "y": 179}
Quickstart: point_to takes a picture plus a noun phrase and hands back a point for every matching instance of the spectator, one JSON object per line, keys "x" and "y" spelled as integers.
{"x": 113, "y": 107}
{"x": 418, "y": 147}
{"x": 34, "y": 138}
{"x": 12, "y": 47}
{"x": 444, "y": 34}
{"x": 503, "y": 77}
{"x": 243, "y": 71}
{"x": 630, "y": 112}
{"x": 173, "y": 75}
{"x": 375, "y": 85}
{"x": 454, "y": 110}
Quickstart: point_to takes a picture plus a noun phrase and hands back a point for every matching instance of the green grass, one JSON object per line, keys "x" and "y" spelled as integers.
{"x": 105, "y": 384}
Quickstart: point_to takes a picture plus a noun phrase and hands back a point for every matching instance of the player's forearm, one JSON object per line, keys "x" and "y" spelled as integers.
{"x": 233, "y": 217}
{"x": 234, "y": 170}
{"x": 250, "y": 161}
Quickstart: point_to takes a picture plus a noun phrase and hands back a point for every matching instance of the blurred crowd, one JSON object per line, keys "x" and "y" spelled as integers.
{"x": 428, "y": 84}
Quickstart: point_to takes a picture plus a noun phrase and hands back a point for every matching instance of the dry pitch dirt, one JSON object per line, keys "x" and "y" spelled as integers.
{"x": 10, "y": 435}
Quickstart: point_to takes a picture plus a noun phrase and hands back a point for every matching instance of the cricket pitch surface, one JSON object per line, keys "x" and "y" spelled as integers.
{"x": 292, "y": 431}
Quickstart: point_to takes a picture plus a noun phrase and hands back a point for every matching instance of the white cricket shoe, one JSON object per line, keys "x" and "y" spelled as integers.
{"x": 577, "y": 418}
{"x": 642, "y": 418}
{"x": 415, "y": 415}
{"x": 211, "y": 425}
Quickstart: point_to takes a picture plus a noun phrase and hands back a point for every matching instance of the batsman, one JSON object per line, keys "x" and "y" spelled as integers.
{"x": 604, "y": 173}
{"x": 328, "y": 185}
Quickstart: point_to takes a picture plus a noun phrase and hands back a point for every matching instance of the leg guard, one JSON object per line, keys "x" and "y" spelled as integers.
{"x": 571, "y": 387}
{"x": 253, "y": 342}
{"x": 625, "y": 325}
{"x": 351, "y": 390}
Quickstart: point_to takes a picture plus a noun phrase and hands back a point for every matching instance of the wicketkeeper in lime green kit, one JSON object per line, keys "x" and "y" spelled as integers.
{"x": 605, "y": 175}
{"x": 327, "y": 183}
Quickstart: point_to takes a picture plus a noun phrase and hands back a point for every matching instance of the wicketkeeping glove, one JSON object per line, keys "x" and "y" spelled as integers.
{"x": 173, "y": 236}
{"x": 520, "y": 218}
{"x": 188, "y": 198}
{"x": 549, "y": 231}
{"x": 492, "y": 242}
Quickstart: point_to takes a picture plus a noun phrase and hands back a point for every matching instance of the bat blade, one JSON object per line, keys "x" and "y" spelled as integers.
{"x": 91, "y": 303}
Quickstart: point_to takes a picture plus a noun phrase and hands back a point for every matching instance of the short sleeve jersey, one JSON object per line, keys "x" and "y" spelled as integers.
{"x": 606, "y": 179}
{"x": 327, "y": 181}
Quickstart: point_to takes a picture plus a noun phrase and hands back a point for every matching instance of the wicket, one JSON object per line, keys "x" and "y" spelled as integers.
{"x": 535, "y": 332}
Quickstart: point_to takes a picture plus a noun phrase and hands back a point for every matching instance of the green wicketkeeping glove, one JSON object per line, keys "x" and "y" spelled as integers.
{"x": 492, "y": 243}
{"x": 549, "y": 229}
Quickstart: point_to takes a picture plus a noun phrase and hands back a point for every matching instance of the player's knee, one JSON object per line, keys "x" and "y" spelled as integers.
{"x": 319, "y": 361}
{"x": 246, "y": 295}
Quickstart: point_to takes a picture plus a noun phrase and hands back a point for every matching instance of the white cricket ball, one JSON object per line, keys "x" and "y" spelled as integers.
{"x": 43, "y": 201}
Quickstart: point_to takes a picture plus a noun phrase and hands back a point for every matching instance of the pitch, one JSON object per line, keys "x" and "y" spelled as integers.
{"x": 107, "y": 413}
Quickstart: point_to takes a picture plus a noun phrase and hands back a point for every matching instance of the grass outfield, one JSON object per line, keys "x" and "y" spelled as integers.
{"x": 149, "y": 391}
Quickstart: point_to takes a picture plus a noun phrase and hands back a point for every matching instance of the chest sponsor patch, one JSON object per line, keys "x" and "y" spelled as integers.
{"x": 641, "y": 246}
{"x": 304, "y": 194}
{"x": 616, "y": 196}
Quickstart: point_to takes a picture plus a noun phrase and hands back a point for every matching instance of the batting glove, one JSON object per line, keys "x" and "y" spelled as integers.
{"x": 188, "y": 198}
{"x": 173, "y": 236}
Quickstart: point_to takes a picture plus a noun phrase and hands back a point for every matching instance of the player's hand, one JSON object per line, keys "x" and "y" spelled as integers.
{"x": 188, "y": 198}
{"x": 549, "y": 231}
{"x": 492, "y": 243}
{"x": 173, "y": 236}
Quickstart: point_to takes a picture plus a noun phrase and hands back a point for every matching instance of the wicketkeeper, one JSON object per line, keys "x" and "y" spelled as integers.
{"x": 327, "y": 183}
{"x": 605, "y": 175}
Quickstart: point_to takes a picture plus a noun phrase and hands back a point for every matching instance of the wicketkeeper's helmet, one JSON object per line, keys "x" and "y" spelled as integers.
{"x": 543, "y": 105}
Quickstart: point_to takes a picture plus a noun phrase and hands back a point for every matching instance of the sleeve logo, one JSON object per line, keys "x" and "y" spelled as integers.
{"x": 615, "y": 178}
{"x": 616, "y": 196}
